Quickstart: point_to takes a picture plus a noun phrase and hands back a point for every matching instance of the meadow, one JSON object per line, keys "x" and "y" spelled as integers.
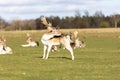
{"x": 99, "y": 60}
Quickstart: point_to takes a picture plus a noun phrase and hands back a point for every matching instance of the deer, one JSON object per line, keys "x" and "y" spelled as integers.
{"x": 30, "y": 42}
{"x": 53, "y": 38}
{"x": 77, "y": 43}
{"x": 4, "y": 49}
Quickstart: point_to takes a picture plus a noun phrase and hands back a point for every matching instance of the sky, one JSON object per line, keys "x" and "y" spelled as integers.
{"x": 32, "y": 9}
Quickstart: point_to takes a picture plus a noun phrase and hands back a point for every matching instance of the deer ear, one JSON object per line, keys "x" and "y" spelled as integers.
{"x": 27, "y": 34}
{"x": 3, "y": 38}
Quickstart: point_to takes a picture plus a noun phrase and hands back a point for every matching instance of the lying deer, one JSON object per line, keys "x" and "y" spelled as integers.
{"x": 30, "y": 42}
{"x": 4, "y": 49}
{"x": 77, "y": 43}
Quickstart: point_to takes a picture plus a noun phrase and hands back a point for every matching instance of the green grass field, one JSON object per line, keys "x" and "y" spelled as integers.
{"x": 99, "y": 60}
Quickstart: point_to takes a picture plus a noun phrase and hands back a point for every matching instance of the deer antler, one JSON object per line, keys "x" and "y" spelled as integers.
{"x": 75, "y": 34}
{"x": 3, "y": 41}
{"x": 44, "y": 21}
{"x": 28, "y": 35}
{"x": 49, "y": 26}
{"x": 3, "y": 38}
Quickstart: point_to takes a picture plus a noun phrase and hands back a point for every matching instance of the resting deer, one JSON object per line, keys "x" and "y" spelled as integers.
{"x": 53, "y": 38}
{"x": 77, "y": 43}
{"x": 4, "y": 49}
{"x": 30, "y": 42}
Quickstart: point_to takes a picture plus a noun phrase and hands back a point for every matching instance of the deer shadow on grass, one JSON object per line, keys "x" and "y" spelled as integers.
{"x": 55, "y": 58}
{"x": 59, "y": 58}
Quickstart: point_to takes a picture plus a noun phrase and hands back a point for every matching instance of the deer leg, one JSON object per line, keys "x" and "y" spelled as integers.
{"x": 48, "y": 51}
{"x": 69, "y": 48}
{"x": 45, "y": 48}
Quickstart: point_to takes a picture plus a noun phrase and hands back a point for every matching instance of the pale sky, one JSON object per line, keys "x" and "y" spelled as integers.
{"x": 32, "y": 9}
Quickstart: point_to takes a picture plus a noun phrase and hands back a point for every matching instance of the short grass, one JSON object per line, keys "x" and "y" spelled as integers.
{"x": 99, "y": 60}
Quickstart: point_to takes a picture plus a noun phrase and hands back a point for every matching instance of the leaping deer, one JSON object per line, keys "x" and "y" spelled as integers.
{"x": 53, "y": 38}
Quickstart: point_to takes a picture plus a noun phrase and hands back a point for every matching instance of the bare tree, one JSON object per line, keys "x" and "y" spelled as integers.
{"x": 3, "y": 24}
{"x": 116, "y": 18}
{"x": 86, "y": 13}
{"x": 16, "y": 24}
{"x": 77, "y": 13}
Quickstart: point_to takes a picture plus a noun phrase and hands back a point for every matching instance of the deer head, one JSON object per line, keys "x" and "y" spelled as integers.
{"x": 3, "y": 41}
{"x": 29, "y": 38}
{"x": 47, "y": 24}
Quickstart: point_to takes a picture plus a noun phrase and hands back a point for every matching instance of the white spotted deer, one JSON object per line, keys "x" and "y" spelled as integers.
{"x": 4, "y": 49}
{"x": 30, "y": 42}
{"x": 77, "y": 43}
{"x": 53, "y": 38}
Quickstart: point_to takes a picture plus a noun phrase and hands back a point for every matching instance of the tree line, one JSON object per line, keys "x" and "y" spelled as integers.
{"x": 97, "y": 20}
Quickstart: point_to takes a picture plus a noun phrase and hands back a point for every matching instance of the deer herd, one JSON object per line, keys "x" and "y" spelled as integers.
{"x": 50, "y": 40}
